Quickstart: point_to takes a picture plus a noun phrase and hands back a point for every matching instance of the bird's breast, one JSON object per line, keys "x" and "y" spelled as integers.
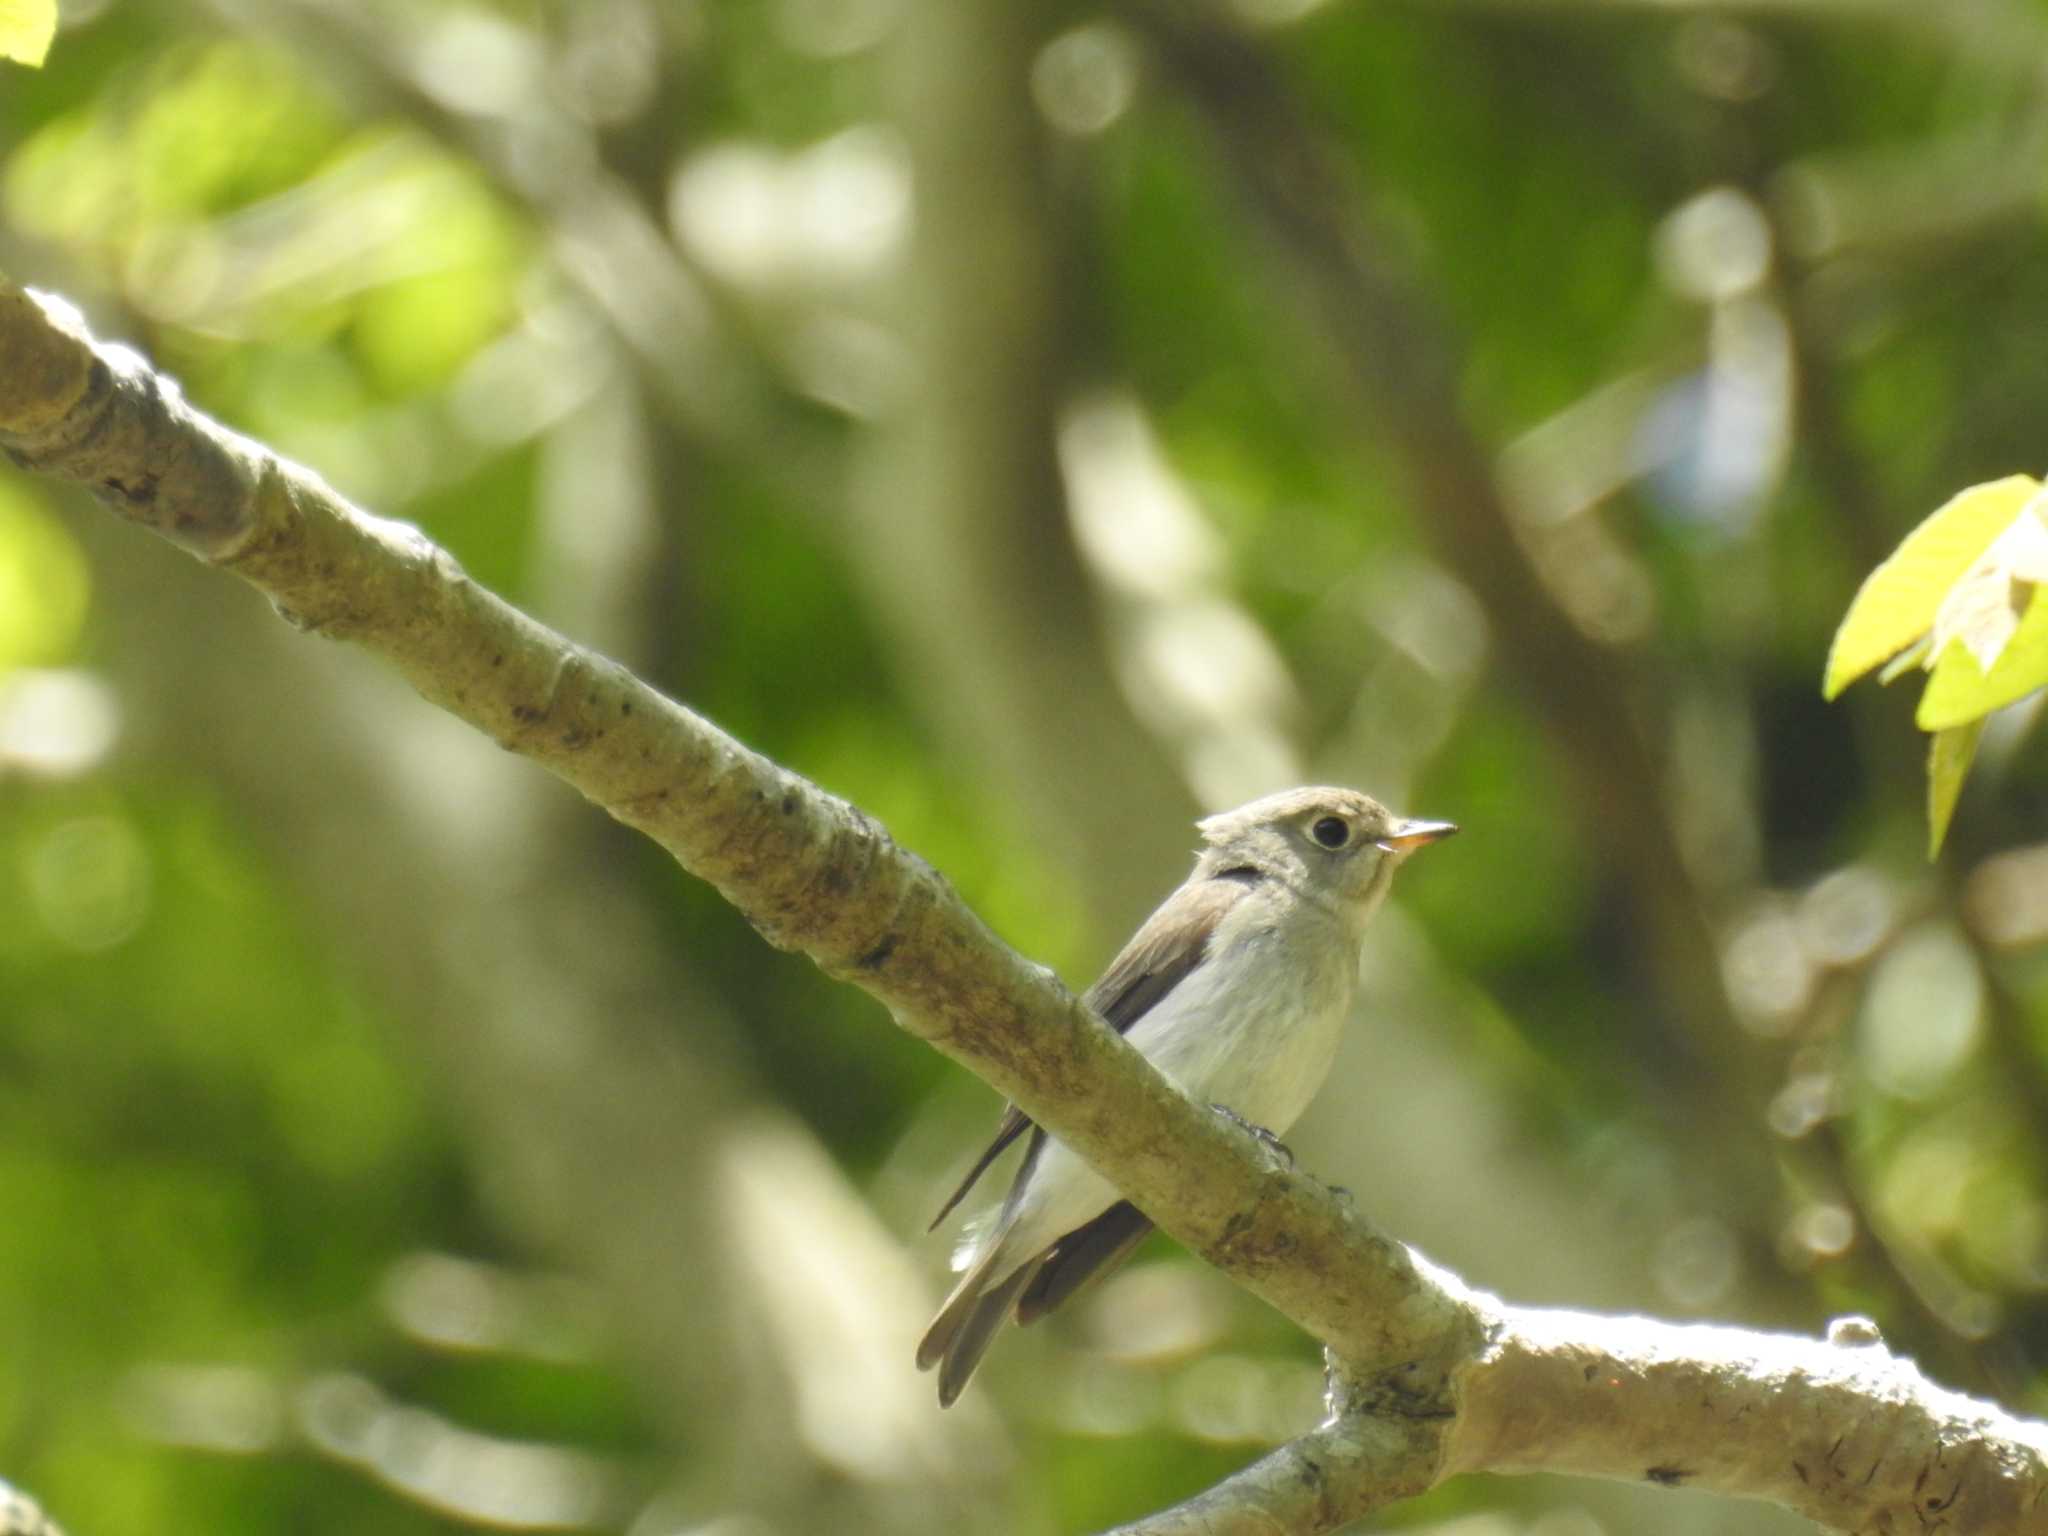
{"x": 1256, "y": 1025}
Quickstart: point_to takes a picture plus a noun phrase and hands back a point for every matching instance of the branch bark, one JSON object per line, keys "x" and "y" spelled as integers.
{"x": 812, "y": 873}
{"x": 1431, "y": 1379}
{"x": 589, "y": 1071}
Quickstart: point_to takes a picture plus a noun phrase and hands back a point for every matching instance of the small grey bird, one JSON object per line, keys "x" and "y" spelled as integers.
{"x": 1237, "y": 988}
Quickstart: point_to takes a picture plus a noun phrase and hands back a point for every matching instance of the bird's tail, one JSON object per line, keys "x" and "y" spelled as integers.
{"x": 966, "y": 1325}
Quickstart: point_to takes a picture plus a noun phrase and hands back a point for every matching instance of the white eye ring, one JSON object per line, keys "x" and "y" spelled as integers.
{"x": 1332, "y": 832}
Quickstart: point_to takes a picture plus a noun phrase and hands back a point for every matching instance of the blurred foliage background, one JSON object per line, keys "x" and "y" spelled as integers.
{"x": 1038, "y": 424}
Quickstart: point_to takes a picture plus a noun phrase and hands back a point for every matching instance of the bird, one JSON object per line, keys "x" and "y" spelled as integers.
{"x": 1237, "y": 988}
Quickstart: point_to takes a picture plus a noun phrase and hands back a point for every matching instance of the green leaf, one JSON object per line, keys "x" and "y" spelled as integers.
{"x": 1898, "y": 601}
{"x": 1949, "y": 756}
{"x": 26, "y": 27}
{"x": 1912, "y": 659}
{"x": 1983, "y": 608}
{"x": 1960, "y": 690}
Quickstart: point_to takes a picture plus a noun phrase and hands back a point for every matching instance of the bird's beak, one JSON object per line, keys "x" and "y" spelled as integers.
{"x": 1408, "y": 836}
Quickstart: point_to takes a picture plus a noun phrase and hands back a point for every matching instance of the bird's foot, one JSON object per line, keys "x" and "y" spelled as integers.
{"x": 1274, "y": 1142}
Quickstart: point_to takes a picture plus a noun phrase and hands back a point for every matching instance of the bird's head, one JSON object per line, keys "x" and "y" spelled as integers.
{"x": 1336, "y": 844}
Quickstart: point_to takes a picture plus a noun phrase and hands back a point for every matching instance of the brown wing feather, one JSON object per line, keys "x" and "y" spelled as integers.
{"x": 1082, "y": 1255}
{"x": 1171, "y": 944}
{"x": 1008, "y": 1129}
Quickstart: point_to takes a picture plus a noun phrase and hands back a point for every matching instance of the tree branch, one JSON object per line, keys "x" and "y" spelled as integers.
{"x": 1340, "y": 1471}
{"x": 1841, "y": 1431}
{"x": 1433, "y": 1380}
{"x": 811, "y": 872}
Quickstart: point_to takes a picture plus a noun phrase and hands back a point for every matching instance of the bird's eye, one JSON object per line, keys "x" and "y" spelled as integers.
{"x": 1331, "y": 831}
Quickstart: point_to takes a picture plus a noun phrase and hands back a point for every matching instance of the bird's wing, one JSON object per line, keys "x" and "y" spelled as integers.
{"x": 1008, "y": 1129}
{"x": 1160, "y": 954}
{"x": 1170, "y": 945}
{"x": 1090, "y": 1250}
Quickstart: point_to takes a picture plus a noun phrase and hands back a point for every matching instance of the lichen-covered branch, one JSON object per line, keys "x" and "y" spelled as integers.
{"x": 811, "y": 872}
{"x": 1341, "y": 1471}
{"x": 1841, "y": 1431}
{"x": 1431, "y": 1380}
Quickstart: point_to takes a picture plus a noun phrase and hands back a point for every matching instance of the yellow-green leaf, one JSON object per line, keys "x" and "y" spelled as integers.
{"x": 1983, "y": 608}
{"x": 1899, "y": 600}
{"x": 1959, "y": 690}
{"x": 1912, "y": 659}
{"x": 26, "y": 27}
{"x": 1948, "y": 763}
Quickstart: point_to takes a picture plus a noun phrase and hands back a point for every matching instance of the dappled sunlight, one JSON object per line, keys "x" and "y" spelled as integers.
{"x": 840, "y": 1308}
{"x": 480, "y": 1479}
{"x": 56, "y": 722}
{"x": 1084, "y": 79}
{"x": 1155, "y": 1312}
{"x": 829, "y": 214}
{"x": 1196, "y": 668}
{"x": 448, "y": 1302}
{"x": 89, "y": 880}
{"x": 1924, "y": 1014}
{"x": 1039, "y": 429}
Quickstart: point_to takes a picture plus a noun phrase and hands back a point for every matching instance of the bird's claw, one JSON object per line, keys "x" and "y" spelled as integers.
{"x": 1259, "y": 1131}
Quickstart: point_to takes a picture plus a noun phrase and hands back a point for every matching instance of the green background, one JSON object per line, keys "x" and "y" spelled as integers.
{"x": 1038, "y": 425}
